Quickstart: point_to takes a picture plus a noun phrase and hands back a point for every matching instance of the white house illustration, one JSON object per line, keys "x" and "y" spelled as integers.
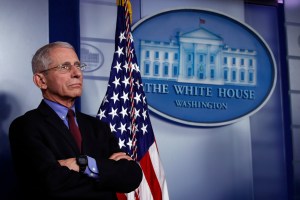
{"x": 198, "y": 56}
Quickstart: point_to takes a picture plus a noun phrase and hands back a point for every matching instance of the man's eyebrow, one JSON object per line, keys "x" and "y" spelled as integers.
{"x": 69, "y": 63}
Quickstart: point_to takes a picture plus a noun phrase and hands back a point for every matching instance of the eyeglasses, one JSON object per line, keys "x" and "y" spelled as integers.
{"x": 66, "y": 67}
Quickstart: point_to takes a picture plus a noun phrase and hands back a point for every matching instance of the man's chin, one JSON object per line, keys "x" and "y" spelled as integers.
{"x": 76, "y": 94}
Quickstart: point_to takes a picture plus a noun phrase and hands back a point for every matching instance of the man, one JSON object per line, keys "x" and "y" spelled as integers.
{"x": 50, "y": 162}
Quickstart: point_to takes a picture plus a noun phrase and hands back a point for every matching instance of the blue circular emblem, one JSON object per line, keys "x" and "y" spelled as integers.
{"x": 91, "y": 56}
{"x": 203, "y": 68}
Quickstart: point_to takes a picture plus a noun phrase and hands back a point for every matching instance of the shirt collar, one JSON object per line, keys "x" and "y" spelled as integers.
{"x": 60, "y": 110}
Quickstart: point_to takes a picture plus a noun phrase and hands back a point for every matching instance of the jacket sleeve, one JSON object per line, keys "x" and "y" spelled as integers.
{"x": 120, "y": 176}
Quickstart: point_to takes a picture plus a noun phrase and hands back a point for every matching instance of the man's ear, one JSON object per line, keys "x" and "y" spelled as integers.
{"x": 39, "y": 80}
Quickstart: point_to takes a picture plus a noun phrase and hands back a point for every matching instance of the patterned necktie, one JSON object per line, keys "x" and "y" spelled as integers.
{"x": 74, "y": 128}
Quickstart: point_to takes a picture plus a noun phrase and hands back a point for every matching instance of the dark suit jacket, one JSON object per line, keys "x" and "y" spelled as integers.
{"x": 39, "y": 138}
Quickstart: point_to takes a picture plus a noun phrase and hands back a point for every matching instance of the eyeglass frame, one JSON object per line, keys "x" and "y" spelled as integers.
{"x": 67, "y": 66}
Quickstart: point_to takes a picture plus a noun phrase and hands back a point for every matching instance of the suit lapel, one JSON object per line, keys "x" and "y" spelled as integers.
{"x": 53, "y": 120}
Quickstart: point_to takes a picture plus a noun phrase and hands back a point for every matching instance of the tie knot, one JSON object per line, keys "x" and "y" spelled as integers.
{"x": 70, "y": 113}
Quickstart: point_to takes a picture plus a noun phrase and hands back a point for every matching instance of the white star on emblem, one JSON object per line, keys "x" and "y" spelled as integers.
{"x": 126, "y": 81}
{"x": 118, "y": 66}
{"x": 120, "y": 51}
{"x": 121, "y": 143}
{"x": 116, "y": 82}
{"x": 137, "y": 98}
{"x": 101, "y": 114}
{"x": 125, "y": 96}
{"x": 113, "y": 113}
{"x": 126, "y": 66}
{"x": 136, "y": 113}
{"x": 122, "y": 127}
{"x": 137, "y": 68}
{"x": 115, "y": 97}
{"x": 123, "y": 112}
{"x": 129, "y": 143}
{"x": 112, "y": 127}
{"x": 144, "y": 129}
{"x": 122, "y": 36}
{"x": 134, "y": 67}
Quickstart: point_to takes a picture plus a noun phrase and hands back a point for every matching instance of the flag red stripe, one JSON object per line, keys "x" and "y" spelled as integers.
{"x": 151, "y": 177}
{"x": 136, "y": 196}
{"x": 121, "y": 196}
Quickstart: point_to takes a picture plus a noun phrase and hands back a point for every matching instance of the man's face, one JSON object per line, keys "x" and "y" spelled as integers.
{"x": 63, "y": 87}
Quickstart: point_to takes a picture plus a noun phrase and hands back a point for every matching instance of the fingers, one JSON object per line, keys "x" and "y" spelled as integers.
{"x": 70, "y": 163}
{"x": 65, "y": 162}
{"x": 120, "y": 155}
{"x": 62, "y": 162}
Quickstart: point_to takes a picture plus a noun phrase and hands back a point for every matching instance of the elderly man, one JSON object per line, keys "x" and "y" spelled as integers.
{"x": 59, "y": 152}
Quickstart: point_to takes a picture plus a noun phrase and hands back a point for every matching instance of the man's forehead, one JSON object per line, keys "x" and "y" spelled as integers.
{"x": 63, "y": 54}
{"x": 59, "y": 49}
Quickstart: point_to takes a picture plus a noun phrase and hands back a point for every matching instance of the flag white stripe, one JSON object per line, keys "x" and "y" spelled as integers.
{"x": 130, "y": 196}
{"x": 144, "y": 190}
{"x": 159, "y": 171}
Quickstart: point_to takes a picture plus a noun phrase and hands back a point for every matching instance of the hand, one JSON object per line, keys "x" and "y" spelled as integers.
{"x": 70, "y": 163}
{"x": 120, "y": 155}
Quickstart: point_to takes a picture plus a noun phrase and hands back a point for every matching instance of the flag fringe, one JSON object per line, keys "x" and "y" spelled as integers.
{"x": 129, "y": 8}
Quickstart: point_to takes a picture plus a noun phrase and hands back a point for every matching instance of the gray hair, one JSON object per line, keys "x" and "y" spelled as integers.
{"x": 41, "y": 59}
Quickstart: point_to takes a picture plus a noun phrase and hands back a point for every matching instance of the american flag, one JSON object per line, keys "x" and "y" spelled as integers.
{"x": 125, "y": 108}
